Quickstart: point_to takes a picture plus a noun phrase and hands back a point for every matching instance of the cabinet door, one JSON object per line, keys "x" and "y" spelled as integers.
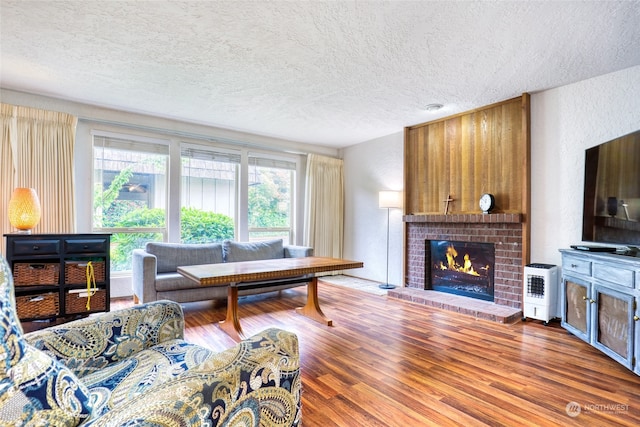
{"x": 576, "y": 307}
{"x": 636, "y": 354}
{"x": 613, "y": 324}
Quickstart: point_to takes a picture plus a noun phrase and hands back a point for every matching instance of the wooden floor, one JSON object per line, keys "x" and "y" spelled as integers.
{"x": 387, "y": 362}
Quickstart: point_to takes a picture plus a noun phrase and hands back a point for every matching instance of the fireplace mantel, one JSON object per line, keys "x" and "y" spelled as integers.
{"x": 497, "y": 218}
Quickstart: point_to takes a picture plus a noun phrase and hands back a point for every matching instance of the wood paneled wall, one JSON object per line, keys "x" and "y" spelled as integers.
{"x": 486, "y": 150}
{"x": 480, "y": 151}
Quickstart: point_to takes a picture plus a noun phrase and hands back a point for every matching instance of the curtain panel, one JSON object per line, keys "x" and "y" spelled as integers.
{"x": 324, "y": 205}
{"x": 37, "y": 152}
{"x": 7, "y": 167}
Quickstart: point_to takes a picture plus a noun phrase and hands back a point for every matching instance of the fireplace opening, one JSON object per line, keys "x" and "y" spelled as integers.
{"x": 461, "y": 268}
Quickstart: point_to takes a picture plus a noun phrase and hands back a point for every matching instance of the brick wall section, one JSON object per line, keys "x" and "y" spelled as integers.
{"x": 503, "y": 230}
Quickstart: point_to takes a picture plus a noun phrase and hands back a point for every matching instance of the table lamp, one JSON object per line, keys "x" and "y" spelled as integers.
{"x": 24, "y": 209}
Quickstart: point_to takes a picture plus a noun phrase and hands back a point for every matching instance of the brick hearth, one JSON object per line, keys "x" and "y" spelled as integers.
{"x": 503, "y": 230}
{"x": 469, "y": 306}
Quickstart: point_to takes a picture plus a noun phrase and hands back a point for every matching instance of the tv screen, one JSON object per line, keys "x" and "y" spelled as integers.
{"x": 611, "y": 212}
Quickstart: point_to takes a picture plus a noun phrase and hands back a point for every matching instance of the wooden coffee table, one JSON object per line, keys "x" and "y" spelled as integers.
{"x": 243, "y": 275}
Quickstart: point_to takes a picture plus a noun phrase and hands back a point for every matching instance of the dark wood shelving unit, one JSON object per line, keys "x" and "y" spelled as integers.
{"x": 50, "y": 276}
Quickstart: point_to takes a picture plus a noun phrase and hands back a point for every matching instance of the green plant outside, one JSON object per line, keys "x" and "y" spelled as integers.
{"x": 269, "y": 201}
{"x": 269, "y": 205}
{"x": 196, "y": 226}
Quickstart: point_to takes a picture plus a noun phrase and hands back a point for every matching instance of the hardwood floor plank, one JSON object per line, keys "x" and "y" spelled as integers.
{"x": 387, "y": 362}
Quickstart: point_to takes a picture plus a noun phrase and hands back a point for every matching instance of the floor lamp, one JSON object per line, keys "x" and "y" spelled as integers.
{"x": 389, "y": 200}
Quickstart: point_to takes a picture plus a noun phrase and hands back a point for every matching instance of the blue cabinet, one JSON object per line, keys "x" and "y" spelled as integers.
{"x": 599, "y": 296}
{"x": 576, "y": 306}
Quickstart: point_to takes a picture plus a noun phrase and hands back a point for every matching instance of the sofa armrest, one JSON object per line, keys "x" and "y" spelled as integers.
{"x": 294, "y": 251}
{"x": 88, "y": 344}
{"x": 257, "y": 380}
{"x": 143, "y": 275}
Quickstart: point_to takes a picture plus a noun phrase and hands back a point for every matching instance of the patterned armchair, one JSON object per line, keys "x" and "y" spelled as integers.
{"x": 132, "y": 367}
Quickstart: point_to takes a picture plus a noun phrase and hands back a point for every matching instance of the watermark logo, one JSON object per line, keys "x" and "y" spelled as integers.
{"x": 573, "y": 409}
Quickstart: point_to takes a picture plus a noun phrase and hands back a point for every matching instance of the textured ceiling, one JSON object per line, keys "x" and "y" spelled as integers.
{"x": 333, "y": 73}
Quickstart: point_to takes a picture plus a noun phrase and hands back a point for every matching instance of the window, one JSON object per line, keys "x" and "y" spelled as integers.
{"x": 153, "y": 189}
{"x": 208, "y": 194}
{"x": 130, "y": 194}
{"x": 271, "y": 198}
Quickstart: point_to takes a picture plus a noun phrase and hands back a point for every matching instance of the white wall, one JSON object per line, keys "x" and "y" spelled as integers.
{"x": 369, "y": 168}
{"x": 564, "y": 122}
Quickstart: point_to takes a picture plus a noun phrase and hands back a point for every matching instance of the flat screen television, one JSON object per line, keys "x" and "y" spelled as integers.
{"x": 611, "y": 213}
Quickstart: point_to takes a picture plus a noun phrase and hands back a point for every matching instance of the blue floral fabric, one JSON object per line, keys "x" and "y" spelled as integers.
{"x": 35, "y": 389}
{"x": 132, "y": 367}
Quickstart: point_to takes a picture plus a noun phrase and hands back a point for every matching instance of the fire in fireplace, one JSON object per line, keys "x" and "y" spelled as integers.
{"x": 462, "y": 268}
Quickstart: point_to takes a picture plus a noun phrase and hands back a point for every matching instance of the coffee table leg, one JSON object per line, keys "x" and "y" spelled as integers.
{"x": 312, "y": 307}
{"x": 231, "y": 325}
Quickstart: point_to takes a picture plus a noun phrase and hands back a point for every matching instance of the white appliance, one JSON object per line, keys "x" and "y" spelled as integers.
{"x": 540, "y": 292}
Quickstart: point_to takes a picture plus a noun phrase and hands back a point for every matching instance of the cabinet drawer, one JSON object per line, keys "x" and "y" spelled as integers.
{"x": 614, "y": 274}
{"x": 80, "y": 246}
{"x": 38, "y": 306}
{"x": 76, "y": 272}
{"x": 36, "y": 247}
{"x": 35, "y": 274}
{"x": 577, "y": 265}
{"x": 80, "y": 301}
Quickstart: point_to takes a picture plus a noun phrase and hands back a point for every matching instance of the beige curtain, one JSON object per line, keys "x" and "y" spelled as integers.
{"x": 37, "y": 152}
{"x": 324, "y": 205}
{"x": 7, "y": 169}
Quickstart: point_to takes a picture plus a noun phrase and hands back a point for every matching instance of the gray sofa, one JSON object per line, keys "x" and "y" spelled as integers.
{"x": 155, "y": 275}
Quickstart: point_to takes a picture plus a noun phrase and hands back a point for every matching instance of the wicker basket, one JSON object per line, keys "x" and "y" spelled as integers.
{"x": 76, "y": 301}
{"x": 75, "y": 272}
{"x": 35, "y": 274}
{"x": 38, "y": 306}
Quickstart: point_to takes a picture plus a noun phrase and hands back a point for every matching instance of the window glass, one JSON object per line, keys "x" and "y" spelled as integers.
{"x": 271, "y": 198}
{"x": 208, "y": 195}
{"x": 130, "y": 195}
{"x": 218, "y": 199}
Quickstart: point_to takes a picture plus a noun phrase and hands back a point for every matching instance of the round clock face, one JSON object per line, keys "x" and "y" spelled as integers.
{"x": 487, "y": 202}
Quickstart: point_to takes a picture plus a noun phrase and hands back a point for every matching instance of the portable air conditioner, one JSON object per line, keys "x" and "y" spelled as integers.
{"x": 540, "y": 292}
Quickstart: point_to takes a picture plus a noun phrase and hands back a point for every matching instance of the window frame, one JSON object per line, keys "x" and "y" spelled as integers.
{"x": 174, "y": 144}
{"x": 138, "y": 144}
{"x": 215, "y": 151}
{"x": 282, "y": 162}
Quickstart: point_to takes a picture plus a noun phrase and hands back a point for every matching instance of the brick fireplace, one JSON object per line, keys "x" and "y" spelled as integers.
{"x": 503, "y": 230}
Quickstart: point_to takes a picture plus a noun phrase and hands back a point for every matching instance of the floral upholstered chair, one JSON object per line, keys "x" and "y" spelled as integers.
{"x": 132, "y": 367}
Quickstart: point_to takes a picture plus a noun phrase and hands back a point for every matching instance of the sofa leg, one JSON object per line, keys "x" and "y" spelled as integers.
{"x": 136, "y": 300}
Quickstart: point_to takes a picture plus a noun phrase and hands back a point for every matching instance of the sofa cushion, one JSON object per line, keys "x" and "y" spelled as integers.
{"x": 252, "y": 251}
{"x": 119, "y": 382}
{"x": 172, "y": 255}
{"x": 174, "y": 282}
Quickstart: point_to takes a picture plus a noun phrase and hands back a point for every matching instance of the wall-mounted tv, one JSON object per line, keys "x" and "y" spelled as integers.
{"x": 611, "y": 212}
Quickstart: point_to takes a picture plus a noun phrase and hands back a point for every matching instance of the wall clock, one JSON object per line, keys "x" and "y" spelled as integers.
{"x": 487, "y": 202}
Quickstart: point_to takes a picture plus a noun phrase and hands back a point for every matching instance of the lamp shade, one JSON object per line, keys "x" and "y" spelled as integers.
{"x": 390, "y": 199}
{"x": 24, "y": 209}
